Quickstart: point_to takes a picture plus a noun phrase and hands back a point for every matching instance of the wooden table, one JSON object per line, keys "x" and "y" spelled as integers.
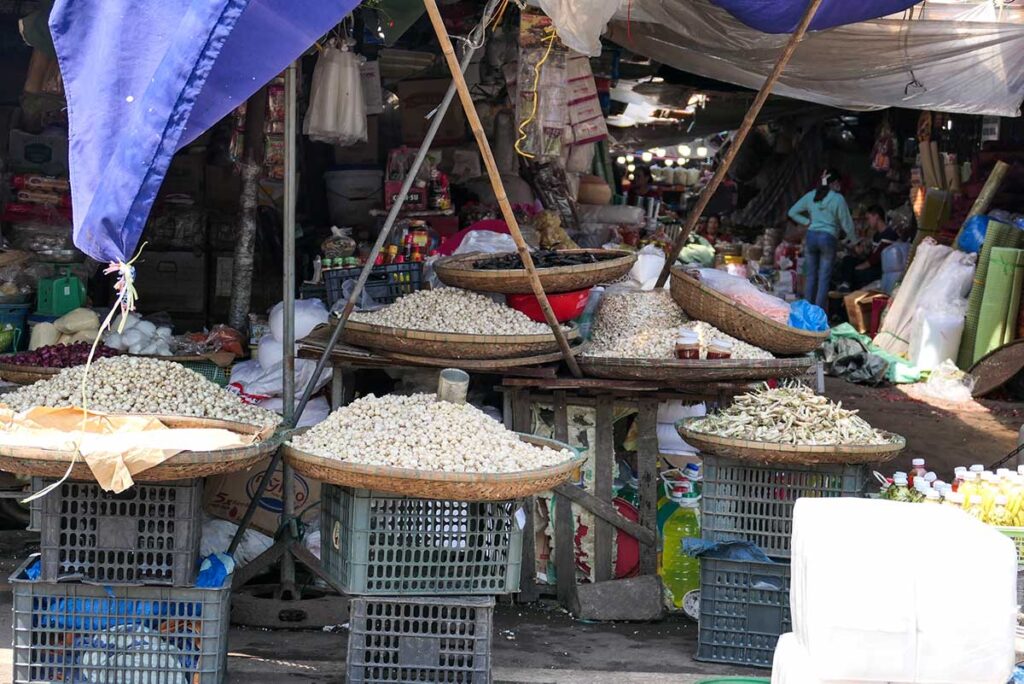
{"x": 520, "y": 394}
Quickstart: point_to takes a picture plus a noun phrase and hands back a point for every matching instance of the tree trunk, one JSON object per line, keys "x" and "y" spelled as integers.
{"x": 244, "y": 258}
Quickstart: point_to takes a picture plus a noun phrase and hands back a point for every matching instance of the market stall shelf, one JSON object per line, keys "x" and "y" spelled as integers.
{"x": 186, "y": 465}
{"x": 451, "y": 345}
{"x": 705, "y": 304}
{"x": 459, "y": 271}
{"x": 675, "y": 371}
{"x": 773, "y": 452}
{"x": 436, "y": 484}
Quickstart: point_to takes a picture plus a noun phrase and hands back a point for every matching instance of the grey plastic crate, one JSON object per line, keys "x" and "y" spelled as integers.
{"x": 148, "y": 534}
{"x": 740, "y": 500}
{"x": 72, "y": 632}
{"x": 408, "y": 639}
{"x": 382, "y": 544}
{"x": 744, "y": 609}
{"x": 35, "y": 507}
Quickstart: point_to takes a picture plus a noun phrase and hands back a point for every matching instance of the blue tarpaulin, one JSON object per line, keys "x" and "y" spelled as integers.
{"x": 145, "y": 77}
{"x": 782, "y": 16}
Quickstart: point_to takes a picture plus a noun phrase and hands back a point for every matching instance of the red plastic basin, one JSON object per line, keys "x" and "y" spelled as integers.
{"x": 567, "y": 305}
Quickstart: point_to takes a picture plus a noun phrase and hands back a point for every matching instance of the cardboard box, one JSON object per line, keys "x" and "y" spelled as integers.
{"x": 416, "y": 100}
{"x": 859, "y": 306}
{"x": 227, "y": 497}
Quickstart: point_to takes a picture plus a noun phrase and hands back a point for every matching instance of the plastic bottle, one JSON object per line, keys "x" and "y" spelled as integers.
{"x": 999, "y": 515}
{"x": 679, "y": 572}
{"x": 969, "y": 487}
{"x": 932, "y": 497}
{"x": 931, "y": 478}
{"x": 916, "y": 470}
{"x": 977, "y": 468}
{"x": 958, "y": 476}
{"x": 955, "y": 500}
{"x": 898, "y": 490}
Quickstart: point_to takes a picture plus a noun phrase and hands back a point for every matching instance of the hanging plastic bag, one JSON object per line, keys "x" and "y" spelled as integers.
{"x": 935, "y": 335}
{"x": 337, "y": 106}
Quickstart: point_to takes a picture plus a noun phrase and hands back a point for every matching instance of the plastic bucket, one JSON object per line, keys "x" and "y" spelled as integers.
{"x": 15, "y": 315}
{"x": 352, "y": 193}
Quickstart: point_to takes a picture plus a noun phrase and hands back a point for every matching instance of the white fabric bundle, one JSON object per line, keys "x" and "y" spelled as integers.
{"x": 872, "y": 588}
{"x": 894, "y": 335}
{"x": 337, "y": 105}
{"x": 793, "y": 665}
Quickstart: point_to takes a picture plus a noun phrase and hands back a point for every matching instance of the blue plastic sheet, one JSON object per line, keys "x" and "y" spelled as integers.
{"x": 145, "y": 77}
{"x": 782, "y": 16}
{"x": 807, "y": 316}
{"x": 735, "y": 550}
{"x": 973, "y": 235}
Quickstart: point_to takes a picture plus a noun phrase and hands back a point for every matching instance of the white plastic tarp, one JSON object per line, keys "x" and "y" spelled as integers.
{"x": 952, "y": 57}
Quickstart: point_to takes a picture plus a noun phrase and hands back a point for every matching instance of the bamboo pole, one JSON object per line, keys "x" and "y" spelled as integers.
{"x": 496, "y": 184}
{"x": 737, "y": 140}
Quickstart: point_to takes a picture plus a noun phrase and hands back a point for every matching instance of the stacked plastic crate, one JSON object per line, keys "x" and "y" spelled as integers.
{"x": 744, "y": 606}
{"x": 112, "y": 596}
{"x": 422, "y": 574}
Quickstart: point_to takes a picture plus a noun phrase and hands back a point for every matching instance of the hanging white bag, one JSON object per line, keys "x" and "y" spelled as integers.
{"x": 337, "y": 110}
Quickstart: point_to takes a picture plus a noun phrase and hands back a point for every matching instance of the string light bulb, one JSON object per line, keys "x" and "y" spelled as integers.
{"x": 631, "y": 168}
{"x": 668, "y": 162}
{"x": 629, "y": 158}
{"x": 702, "y": 151}
{"x": 630, "y": 176}
{"x": 647, "y": 157}
{"x": 684, "y": 150}
{"x": 620, "y": 161}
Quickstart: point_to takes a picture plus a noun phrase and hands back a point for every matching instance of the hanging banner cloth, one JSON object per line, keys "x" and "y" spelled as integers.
{"x": 143, "y": 78}
{"x": 782, "y": 16}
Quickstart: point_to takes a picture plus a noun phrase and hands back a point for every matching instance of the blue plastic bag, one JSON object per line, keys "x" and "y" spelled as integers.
{"x": 973, "y": 235}
{"x": 807, "y": 316}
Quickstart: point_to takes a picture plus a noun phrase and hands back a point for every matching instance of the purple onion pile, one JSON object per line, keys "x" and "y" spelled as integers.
{"x": 59, "y": 355}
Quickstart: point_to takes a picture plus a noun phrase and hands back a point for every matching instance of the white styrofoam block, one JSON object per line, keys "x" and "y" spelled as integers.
{"x": 793, "y": 665}
{"x": 894, "y": 592}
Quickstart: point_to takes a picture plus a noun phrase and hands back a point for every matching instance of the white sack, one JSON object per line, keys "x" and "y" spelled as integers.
{"x": 249, "y": 377}
{"x": 217, "y": 536}
{"x": 316, "y": 411}
{"x": 270, "y": 351}
{"x": 309, "y": 313}
{"x": 872, "y": 585}
{"x": 935, "y": 336}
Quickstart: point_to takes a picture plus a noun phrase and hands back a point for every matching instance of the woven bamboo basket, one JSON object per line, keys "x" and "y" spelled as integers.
{"x": 705, "y": 304}
{"x": 781, "y": 454}
{"x": 428, "y": 484}
{"x": 682, "y": 371}
{"x": 26, "y": 375}
{"x": 451, "y": 345}
{"x": 186, "y": 465}
{"x": 458, "y": 271}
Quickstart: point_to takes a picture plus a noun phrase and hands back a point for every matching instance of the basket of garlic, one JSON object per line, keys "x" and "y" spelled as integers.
{"x": 790, "y": 424}
{"x": 563, "y": 270}
{"x": 421, "y": 447}
{"x": 634, "y": 335}
{"x": 127, "y": 385}
{"x": 452, "y": 324}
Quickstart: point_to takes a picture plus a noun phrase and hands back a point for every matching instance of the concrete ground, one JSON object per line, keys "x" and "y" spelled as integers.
{"x": 541, "y": 644}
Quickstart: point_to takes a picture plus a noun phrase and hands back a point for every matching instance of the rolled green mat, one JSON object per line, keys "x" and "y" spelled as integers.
{"x": 995, "y": 305}
{"x": 1013, "y": 310}
{"x": 998, "y": 234}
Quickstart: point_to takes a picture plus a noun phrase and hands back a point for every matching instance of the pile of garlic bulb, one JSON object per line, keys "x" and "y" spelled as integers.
{"x": 453, "y": 310}
{"x": 125, "y": 384}
{"x": 645, "y": 325}
{"x": 421, "y": 433}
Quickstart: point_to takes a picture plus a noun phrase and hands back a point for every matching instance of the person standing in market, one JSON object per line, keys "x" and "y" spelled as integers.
{"x": 825, "y": 213}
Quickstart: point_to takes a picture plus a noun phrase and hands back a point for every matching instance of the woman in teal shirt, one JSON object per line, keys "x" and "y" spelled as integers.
{"x": 824, "y": 212}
